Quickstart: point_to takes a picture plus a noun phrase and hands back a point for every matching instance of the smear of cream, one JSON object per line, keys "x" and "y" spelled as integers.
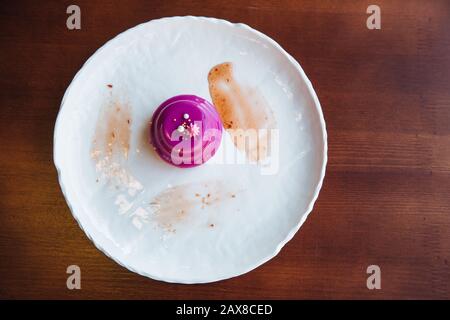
{"x": 112, "y": 133}
{"x": 244, "y": 112}
{"x": 111, "y": 145}
{"x": 179, "y": 203}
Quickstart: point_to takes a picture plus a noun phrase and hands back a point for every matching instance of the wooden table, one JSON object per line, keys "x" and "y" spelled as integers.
{"x": 385, "y": 95}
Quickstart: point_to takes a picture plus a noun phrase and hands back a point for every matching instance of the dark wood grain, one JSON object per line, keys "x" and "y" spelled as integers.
{"x": 385, "y": 200}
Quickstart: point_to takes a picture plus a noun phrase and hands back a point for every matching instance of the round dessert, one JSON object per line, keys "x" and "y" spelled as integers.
{"x": 186, "y": 131}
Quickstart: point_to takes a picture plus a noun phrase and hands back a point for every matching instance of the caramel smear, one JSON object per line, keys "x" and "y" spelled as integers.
{"x": 111, "y": 144}
{"x": 179, "y": 203}
{"x": 112, "y": 133}
{"x": 243, "y": 111}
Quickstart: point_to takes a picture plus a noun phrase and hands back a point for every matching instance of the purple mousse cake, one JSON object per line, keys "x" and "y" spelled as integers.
{"x": 186, "y": 131}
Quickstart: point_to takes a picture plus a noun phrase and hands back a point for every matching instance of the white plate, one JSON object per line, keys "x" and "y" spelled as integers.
{"x": 146, "y": 65}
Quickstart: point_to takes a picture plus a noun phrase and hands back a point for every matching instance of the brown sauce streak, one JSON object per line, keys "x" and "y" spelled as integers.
{"x": 176, "y": 204}
{"x": 240, "y": 108}
{"x": 112, "y": 132}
